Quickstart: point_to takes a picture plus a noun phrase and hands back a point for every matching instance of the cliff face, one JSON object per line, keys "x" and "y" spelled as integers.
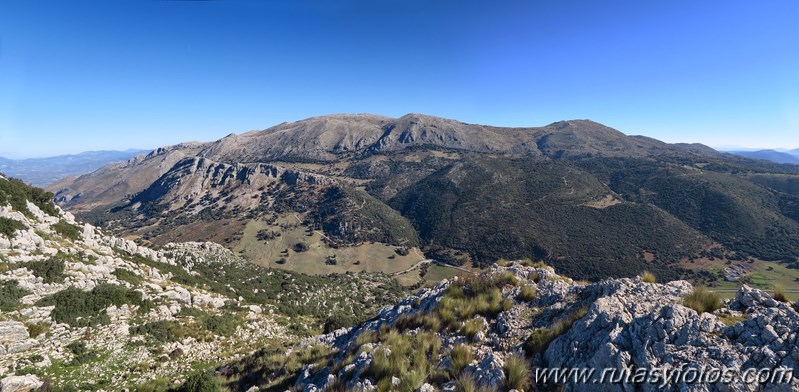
{"x": 199, "y": 183}
{"x": 499, "y": 330}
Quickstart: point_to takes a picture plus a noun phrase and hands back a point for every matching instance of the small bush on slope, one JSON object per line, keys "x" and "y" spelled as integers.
{"x": 517, "y": 373}
{"x": 701, "y": 300}
{"x": 539, "y": 339}
{"x": 779, "y": 293}
{"x": 201, "y": 382}
{"x": 80, "y": 308}
{"x": 9, "y": 226}
{"x": 461, "y": 356}
{"x": 527, "y": 294}
{"x": 10, "y": 294}
{"x": 472, "y": 327}
{"x": 67, "y": 230}
{"x": 16, "y": 193}
{"x": 404, "y": 356}
{"x": 129, "y": 276}
{"x": 50, "y": 270}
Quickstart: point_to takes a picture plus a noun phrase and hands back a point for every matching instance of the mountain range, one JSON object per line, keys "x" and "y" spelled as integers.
{"x": 45, "y": 171}
{"x": 590, "y": 200}
{"x": 787, "y": 156}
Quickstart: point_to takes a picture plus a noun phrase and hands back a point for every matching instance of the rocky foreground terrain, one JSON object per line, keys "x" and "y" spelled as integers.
{"x": 491, "y": 333}
{"x": 82, "y": 309}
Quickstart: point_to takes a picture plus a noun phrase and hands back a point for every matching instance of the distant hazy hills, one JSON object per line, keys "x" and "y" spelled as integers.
{"x": 789, "y": 156}
{"x": 591, "y": 200}
{"x": 45, "y": 171}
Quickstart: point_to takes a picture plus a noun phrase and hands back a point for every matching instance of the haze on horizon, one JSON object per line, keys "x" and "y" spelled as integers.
{"x": 119, "y": 75}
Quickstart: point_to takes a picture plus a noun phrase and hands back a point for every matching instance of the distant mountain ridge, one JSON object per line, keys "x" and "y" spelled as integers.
{"x": 341, "y": 136}
{"x": 790, "y": 156}
{"x": 45, "y": 171}
{"x": 589, "y": 199}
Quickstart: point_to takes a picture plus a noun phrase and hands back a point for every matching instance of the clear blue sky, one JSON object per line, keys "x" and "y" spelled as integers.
{"x": 78, "y": 76}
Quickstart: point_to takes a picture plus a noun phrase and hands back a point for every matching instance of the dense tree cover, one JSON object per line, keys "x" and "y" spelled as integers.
{"x": 495, "y": 208}
{"x": 354, "y": 216}
{"x": 742, "y": 215}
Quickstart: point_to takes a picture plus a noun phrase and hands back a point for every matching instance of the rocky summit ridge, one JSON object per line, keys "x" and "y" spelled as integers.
{"x": 476, "y": 334}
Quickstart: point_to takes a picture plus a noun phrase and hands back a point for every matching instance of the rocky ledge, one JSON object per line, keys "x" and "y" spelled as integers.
{"x": 460, "y": 336}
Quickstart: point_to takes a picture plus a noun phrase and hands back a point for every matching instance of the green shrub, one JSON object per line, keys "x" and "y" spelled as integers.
{"x": 467, "y": 383}
{"x": 506, "y": 278}
{"x": 67, "y": 230}
{"x": 648, "y": 277}
{"x": 517, "y": 373}
{"x": 300, "y": 247}
{"x": 201, "y": 382}
{"x": 191, "y": 312}
{"x": 701, "y": 300}
{"x": 9, "y": 226}
{"x": 527, "y": 294}
{"x": 128, "y": 276}
{"x": 17, "y": 193}
{"x": 10, "y": 294}
{"x": 460, "y": 356}
{"x": 430, "y": 322}
{"x": 538, "y": 341}
{"x": 80, "y": 308}
{"x": 472, "y": 327}
{"x": 779, "y": 293}
{"x": 224, "y": 325}
{"x": 531, "y": 263}
{"x": 338, "y": 321}
{"x": 81, "y": 353}
{"x": 166, "y": 331}
{"x": 540, "y": 338}
{"x": 366, "y": 337}
{"x": 34, "y": 330}
{"x": 503, "y": 263}
{"x": 50, "y": 270}
{"x": 401, "y": 354}
{"x": 161, "y": 330}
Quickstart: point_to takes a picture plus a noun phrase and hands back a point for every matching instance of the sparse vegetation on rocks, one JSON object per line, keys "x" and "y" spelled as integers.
{"x": 702, "y": 300}
{"x": 648, "y": 277}
{"x": 779, "y": 293}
